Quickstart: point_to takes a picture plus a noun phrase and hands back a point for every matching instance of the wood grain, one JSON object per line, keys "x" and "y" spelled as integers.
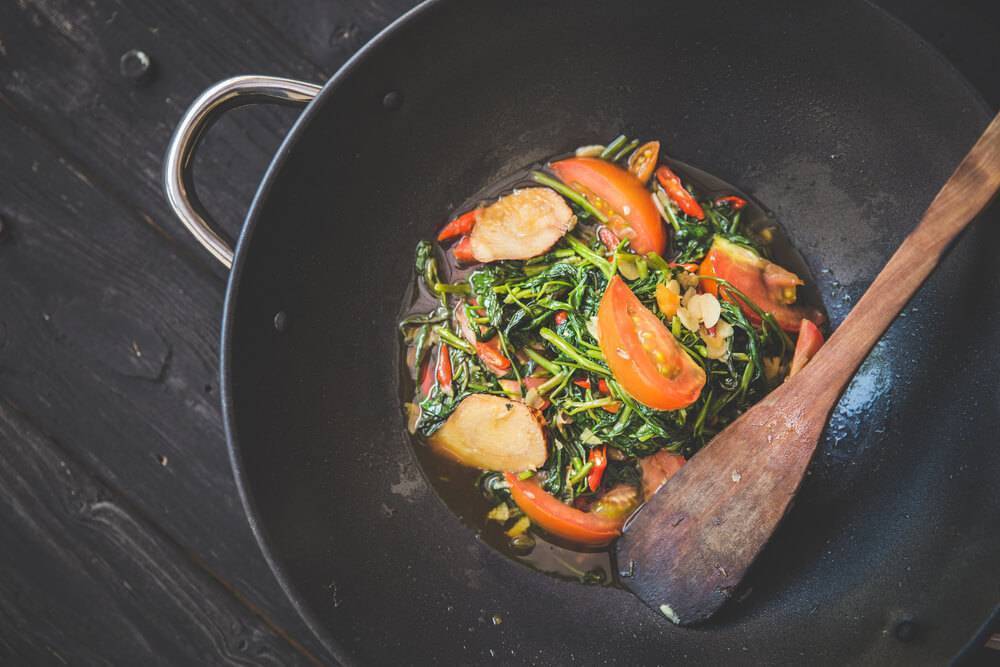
{"x": 118, "y": 590}
{"x": 688, "y": 548}
{"x": 110, "y": 319}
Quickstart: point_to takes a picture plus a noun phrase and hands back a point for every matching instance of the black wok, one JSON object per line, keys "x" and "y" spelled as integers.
{"x": 831, "y": 113}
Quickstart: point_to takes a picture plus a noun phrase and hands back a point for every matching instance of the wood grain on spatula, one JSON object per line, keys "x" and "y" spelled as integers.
{"x": 688, "y": 548}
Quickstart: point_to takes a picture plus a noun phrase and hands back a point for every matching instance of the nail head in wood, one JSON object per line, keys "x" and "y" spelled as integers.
{"x": 136, "y": 66}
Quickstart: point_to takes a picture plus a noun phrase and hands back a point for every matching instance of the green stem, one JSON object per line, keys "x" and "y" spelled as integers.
{"x": 451, "y": 288}
{"x": 581, "y": 473}
{"x": 550, "y": 384}
{"x": 581, "y": 249}
{"x": 589, "y": 405}
{"x": 613, "y": 147}
{"x": 542, "y": 361}
{"x": 629, "y": 147}
{"x": 454, "y": 341}
{"x": 569, "y": 193}
{"x": 657, "y": 263}
{"x": 568, "y": 350}
{"x": 668, "y": 209}
{"x": 506, "y": 349}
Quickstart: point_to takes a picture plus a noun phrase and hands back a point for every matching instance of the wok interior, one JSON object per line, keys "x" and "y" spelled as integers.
{"x": 895, "y": 515}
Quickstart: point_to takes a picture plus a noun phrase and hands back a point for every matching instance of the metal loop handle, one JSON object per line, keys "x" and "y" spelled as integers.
{"x": 203, "y": 112}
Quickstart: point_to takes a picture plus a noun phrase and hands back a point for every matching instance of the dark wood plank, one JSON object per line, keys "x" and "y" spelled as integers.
{"x": 328, "y": 32}
{"x": 117, "y": 590}
{"x": 111, "y": 341}
{"x": 102, "y": 321}
{"x": 108, "y": 136}
{"x": 116, "y": 132}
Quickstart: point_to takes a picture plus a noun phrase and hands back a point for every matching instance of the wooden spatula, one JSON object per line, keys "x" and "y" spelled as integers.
{"x": 685, "y": 552}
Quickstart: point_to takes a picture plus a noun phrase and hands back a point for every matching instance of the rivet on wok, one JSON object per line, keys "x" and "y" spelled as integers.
{"x": 280, "y": 321}
{"x": 135, "y": 66}
{"x": 392, "y": 100}
{"x": 906, "y": 630}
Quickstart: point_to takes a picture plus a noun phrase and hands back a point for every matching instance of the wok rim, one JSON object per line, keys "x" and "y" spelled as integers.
{"x": 253, "y": 216}
{"x": 245, "y": 238}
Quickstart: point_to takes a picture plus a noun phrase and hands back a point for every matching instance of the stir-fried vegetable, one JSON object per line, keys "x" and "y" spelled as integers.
{"x": 768, "y": 286}
{"x": 578, "y": 365}
{"x": 561, "y": 520}
{"x": 622, "y": 198}
{"x": 493, "y": 433}
{"x": 643, "y": 160}
{"x": 671, "y": 183}
{"x": 520, "y": 225}
{"x": 809, "y": 342}
{"x": 645, "y": 358}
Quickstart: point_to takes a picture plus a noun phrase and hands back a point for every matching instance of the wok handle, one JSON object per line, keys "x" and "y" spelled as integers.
{"x": 203, "y": 112}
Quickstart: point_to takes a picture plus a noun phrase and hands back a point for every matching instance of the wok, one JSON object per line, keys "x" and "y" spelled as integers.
{"x": 831, "y": 113}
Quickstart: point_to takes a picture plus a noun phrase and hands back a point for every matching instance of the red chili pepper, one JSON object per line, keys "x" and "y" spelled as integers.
{"x": 492, "y": 356}
{"x": 463, "y": 250}
{"x": 690, "y": 268}
{"x": 599, "y": 457}
{"x": 734, "y": 202}
{"x": 444, "y": 370}
{"x": 582, "y": 384}
{"x": 612, "y": 408}
{"x": 426, "y": 378}
{"x": 460, "y": 226}
{"x": 602, "y": 386}
{"x": 561, "y": 317}
{"x": 608, "y": 238}
{"x": 675, "y": 190}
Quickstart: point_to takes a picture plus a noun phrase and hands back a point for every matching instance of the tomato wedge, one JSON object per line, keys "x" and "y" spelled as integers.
{"x": 657, "y": 469}
{"x": 643, "y": 355}
{"x": 560, "y": 519}
{"x": 633, "y": 214}
{"x": 809, "y": 342}
{"x": 765, "y": 283}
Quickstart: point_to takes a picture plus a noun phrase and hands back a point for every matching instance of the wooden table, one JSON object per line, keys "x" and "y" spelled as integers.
{"x": 123, "y": 539}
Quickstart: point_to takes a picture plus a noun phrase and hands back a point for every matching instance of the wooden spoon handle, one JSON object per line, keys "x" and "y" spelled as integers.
{"x": 964, "y": 195}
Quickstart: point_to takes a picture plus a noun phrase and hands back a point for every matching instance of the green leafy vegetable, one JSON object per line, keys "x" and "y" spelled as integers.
{"x": 539, "y": 314}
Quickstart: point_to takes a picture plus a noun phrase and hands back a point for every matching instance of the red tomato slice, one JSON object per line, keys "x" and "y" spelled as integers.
{"x": 657, "y": 469}
{"x": 560, "y": 519}
{"x": 643, "y": 355}
{"x": 624, "y": 194}
{"x": 765, "y": 283}
{"x": 809, "y": 342}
